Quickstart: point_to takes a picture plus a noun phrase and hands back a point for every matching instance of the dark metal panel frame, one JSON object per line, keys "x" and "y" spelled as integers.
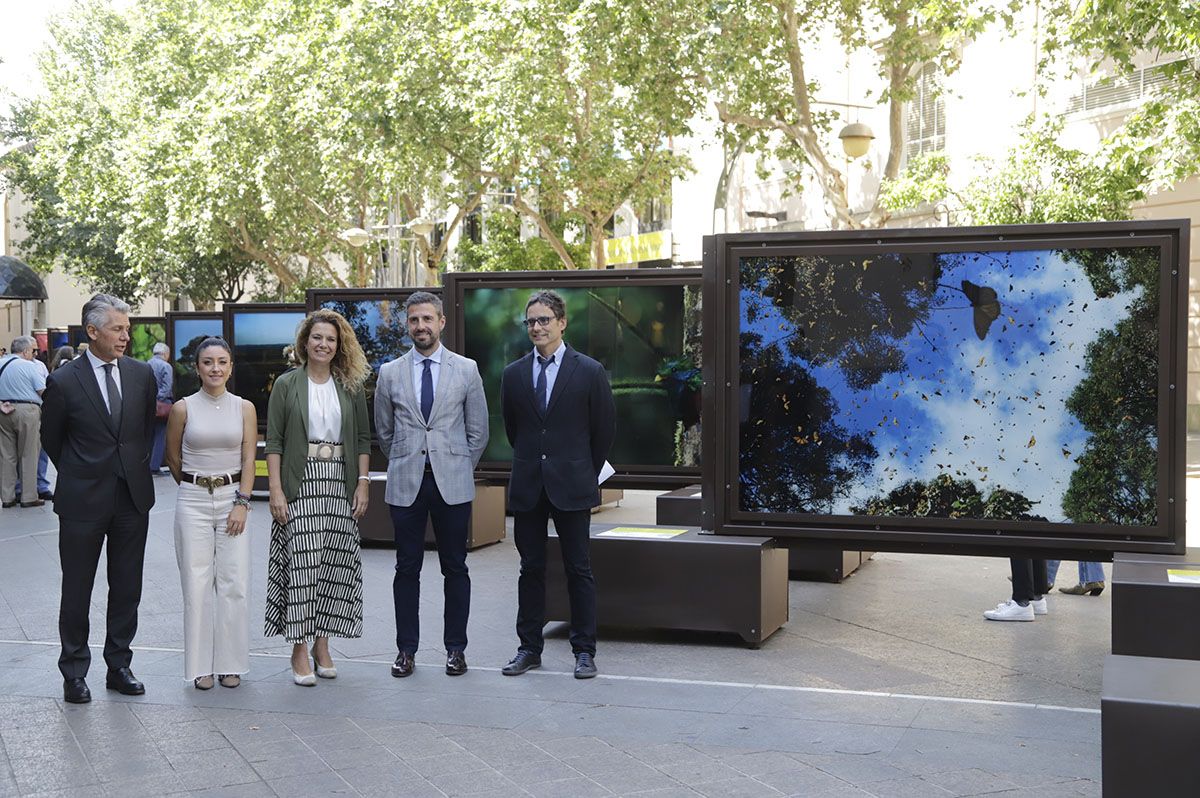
{"x": 721, "y": 305}
{"x": 632, "y": 475}
{"x": 193, "y": 315}
{"x": 252, "y": 307}
{"x": 313, "y": 297}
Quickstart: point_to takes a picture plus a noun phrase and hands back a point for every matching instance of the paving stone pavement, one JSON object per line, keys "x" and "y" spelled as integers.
{"x": 889, "y": 684}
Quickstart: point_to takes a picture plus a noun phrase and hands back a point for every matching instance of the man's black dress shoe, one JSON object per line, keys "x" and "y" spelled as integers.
{"x": 6, "y": 505}
{"x": 46, "y": 496}
{"x": 524, "y": 661}
{"x": 123, "y": 682}
{"x": 75, "y": 691}
{"x": 585, "y": 666}
{"x": 456, "y": 663}
{"x": 403, "y": 666}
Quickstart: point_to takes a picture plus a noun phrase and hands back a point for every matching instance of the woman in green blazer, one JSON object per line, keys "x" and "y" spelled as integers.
{"x": 318, "y": 445}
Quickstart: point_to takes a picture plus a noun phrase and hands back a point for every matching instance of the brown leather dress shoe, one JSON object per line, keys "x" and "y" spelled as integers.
{"x": 403, "y": 666}
{"x": 456, "y": 663}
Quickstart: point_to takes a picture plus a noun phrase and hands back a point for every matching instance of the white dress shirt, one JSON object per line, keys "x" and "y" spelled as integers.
{"x": 435, "y": 366}
{"x": 551, "y": 370}
{"x": 98, "y": 370}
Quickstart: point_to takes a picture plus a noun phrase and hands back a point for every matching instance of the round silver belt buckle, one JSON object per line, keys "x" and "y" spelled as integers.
{"x": 325, "y": 451}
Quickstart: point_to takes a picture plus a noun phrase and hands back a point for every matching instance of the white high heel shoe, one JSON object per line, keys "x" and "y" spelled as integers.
{"x": 324, "y": 673}
{"x": 304, "y": 680}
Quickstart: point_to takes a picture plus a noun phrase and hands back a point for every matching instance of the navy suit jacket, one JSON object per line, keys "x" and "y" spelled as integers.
{"x": 80, "y": 438}
{"x": 561, "y": 451}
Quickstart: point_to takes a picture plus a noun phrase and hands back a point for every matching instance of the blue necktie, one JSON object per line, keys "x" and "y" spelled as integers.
{"x": 427, "y": 390}
{"x": 540, "y": 388}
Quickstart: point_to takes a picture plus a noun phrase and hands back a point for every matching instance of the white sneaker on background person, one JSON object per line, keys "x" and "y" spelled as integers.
{"x": 1039, "y": 606}
{"x": 1010, "y": 611}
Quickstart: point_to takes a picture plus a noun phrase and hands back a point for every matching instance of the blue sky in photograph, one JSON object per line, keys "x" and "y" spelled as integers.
{"x": 993, "y": 410}
{"x": 187, "y": 329}
{"x": 258, "y": 329}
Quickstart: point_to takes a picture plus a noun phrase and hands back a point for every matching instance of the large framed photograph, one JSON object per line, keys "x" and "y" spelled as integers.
{"x": 1014, "y": 389}
{"x": 643, "y": 325}
{"x": 377, "y": 317}
{"x": 185, "y": 332}
{"x": 77, "y": 335}
{"x": 262, "y": 337}
{"x": 144, "y": 333}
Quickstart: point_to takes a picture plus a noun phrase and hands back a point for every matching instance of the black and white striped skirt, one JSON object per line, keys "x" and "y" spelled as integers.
{"x": 314, "y": 574}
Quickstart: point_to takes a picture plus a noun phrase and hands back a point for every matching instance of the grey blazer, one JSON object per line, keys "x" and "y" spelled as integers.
{"x": 455, "y": 436}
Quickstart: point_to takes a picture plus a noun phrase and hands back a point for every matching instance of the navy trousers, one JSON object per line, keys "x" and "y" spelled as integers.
{"x": 451, "y": 523}
{"x": 529, "y": 532}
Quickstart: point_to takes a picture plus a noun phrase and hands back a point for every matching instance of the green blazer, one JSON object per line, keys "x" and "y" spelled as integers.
{"x": 287, "y": 429}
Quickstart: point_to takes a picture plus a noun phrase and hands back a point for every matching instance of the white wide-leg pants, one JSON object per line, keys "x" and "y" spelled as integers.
{"x": 214, "y": 569}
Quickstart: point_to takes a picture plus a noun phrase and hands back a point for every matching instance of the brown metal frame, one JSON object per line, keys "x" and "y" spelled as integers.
{"x": 313, "y": 296}
{"x": 957, "y": 536}
{"x": 628, "y": 475}
{"x": 227, "y": 313}
{"x": 197, "y": 315}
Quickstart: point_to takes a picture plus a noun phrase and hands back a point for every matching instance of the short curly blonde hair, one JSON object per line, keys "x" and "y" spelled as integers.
{"x": 349, "y": 365}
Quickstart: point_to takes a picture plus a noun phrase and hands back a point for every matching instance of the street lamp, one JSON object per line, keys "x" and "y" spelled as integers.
{"x": 856, "y": 139}
{"x": 419, "y": 225}
{"x": 356, "y": 237}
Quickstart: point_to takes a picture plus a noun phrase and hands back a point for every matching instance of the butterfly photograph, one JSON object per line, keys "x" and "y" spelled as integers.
{"x": 1016, "y": 384}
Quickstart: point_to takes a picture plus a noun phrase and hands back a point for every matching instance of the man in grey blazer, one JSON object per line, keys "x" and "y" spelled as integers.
{"x": 431, "y": 417}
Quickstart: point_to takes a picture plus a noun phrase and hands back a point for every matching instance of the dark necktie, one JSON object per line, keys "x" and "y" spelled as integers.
{"x": 114, "y": 396}
{"x": 427, "y": 390}
{"x": 540, "y": 388}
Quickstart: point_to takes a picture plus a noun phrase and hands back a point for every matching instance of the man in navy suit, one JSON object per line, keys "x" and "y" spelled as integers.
{"x": 97, "y": 424}
{"x": 560, "y": 419}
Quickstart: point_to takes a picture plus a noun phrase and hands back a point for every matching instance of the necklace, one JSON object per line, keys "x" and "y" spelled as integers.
{"x": 215, "y": 401}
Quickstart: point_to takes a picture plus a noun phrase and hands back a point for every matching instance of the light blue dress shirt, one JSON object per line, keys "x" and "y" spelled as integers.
{"x": 551, "y": 370}
{"x": 435, "y": 369}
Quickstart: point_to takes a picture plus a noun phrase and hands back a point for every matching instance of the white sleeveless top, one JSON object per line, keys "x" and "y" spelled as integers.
{"x": 212, "y": 436}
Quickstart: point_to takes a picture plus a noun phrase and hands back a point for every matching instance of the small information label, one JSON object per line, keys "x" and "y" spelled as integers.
{"x": 1180, "y": 576}
{"x": 647, "y": 532}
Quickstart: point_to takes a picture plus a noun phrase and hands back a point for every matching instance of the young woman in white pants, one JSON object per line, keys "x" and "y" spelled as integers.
{"x": 211, "y": 437}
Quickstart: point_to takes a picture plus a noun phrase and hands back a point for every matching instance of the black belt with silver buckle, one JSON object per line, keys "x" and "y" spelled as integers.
{"x": 19, "y": 401}
{"x": 215, "y": 481}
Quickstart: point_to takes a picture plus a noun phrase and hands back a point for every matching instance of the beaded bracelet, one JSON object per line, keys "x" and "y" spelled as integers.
{"x": 241, "y": 499}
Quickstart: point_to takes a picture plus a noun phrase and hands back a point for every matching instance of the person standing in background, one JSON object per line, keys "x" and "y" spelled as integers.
{"x": 164, "y": 381}
{"x": 21, "y": 387}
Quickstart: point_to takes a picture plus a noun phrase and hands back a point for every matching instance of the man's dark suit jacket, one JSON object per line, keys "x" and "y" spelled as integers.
{"x": 79, "y": 437}
{"x": 563, "y": 450}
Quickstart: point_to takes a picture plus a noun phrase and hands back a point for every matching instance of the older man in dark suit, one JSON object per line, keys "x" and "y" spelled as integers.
{"x": 560, "y": 419}
{"x": 97, "y": 424}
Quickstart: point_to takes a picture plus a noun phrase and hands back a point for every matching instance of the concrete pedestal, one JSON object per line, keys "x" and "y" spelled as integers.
{"x": 692, "y": 581}
{"x": 1152, "y": 616}
{"x": 1150, "y": 724}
